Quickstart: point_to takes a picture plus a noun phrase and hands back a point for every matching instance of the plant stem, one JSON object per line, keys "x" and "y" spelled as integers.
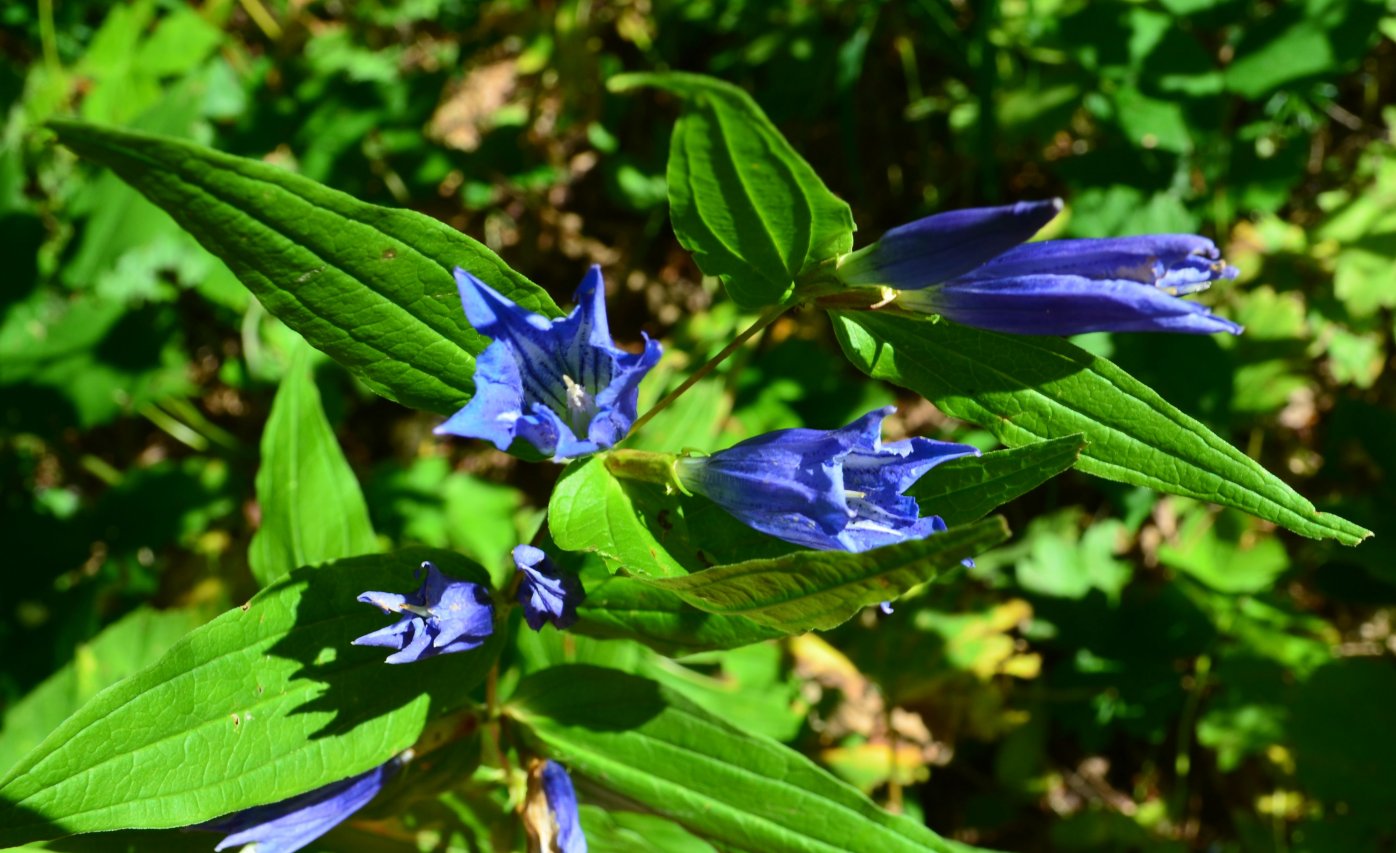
{"x": 770, "y": 316}
{"x": 48, "y": 36}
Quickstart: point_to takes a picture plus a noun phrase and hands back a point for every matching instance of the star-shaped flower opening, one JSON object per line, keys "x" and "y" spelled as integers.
{"x": 444, "y": 616}
{"x": 827, "y": 489}
{"x": 561, "y": 386}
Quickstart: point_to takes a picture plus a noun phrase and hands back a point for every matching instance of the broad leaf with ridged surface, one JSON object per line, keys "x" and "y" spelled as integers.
{"x": 370, "y": 286}
{"x": 823, "y": 589}
{"x": 267, "y": 701}
{"x": 649, "y": 745}
{"x": 741, "y": 199}
{"x": 1031, "y": 389}
{"x": 969, "y": 488}
{"x": 627, "y": 609}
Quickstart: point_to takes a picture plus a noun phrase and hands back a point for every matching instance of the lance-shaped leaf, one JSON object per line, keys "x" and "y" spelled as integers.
{"x": 967, "y": 489}
{"x": 628, "y": 609}
{"x": 748, "y": 207}
{"x": 1030, "y": 389}
{"x": 822, "y": 589}
{"x": 370, "y": 286}
{"x": 267, "y": 701}
{"x": 634, "y": 738}
{"x": 312, "y": 508}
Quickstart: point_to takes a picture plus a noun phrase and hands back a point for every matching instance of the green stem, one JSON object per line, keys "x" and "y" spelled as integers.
{"x": 770, "y": 316}
{"x": 645, "y": 467}
{"x": 48, "y": 35}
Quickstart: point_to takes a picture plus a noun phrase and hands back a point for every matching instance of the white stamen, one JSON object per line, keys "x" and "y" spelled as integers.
{"x": 580, "y": 405}
{"x": 578, "y": 400}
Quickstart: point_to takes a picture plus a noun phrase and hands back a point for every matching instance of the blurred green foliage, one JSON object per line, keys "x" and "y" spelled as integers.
{"x": 1129, "y": 672}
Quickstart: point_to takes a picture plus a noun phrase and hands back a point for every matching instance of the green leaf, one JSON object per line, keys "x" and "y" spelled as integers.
{"x": 644, "y": 530}
{"x": 591, "y": 510}
{"x": 649, "y": 745}
{"x": 636, "y": 832}
{"x": 969, "y": 488}
{"x": 312, "y": 509}
{"x": 1029, "y": 389}
{"x": 124, "y": 647}
{"x": 628, "y": 609}
{"x": 748, "y": 207}
{"x": 267, "y": 701}
{"x": 823, "y": 589}
{"x": 370, "y": 286}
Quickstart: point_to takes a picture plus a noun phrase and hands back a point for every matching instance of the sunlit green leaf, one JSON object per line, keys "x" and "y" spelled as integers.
{"x": 267, "y": 701}
{"x": 1027, "y": 389}
{"x": 823, "y": 589}
{"x": 645, "y": 743}
{"x": 312, "y": 509}
{"x": 741, "y": 199}
{"x": 370, "y": 286}
{"x": 971, "y": 487}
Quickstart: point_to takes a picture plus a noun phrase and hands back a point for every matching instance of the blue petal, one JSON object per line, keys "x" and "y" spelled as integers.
{"x": 394, "y": 636}
{"x": 940, "y": 247}
{"x": 787, "y": 483}
{"x": 1121, "y": 258}
{"x": 458, "y": 616}
{"x": 617, "y": 403}
{"x": 465, "y": 616}
{"x": 417, "y": 648}
{"x": 588, "y": 324}
{"x": 562, "y": 799}
{"x": 546, "y": 593}
{"x": 291, "y": 824}
{"x": 493, "y": 413}
{"x": 1066, "y": 305}
{"x": 496, "y": 316}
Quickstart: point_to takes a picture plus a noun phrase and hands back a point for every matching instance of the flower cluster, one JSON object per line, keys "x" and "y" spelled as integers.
{"x": 561, "y": 388}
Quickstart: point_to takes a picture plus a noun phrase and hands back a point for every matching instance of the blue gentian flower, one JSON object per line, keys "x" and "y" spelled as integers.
{"x": 969, "y": 266}
{"x": 547, "y": 593}
{"x": 560, "y": 386}
{"x": 293, "y": 823}
{"x": 446, "y": 615}
{"x": 550, "y": 810}
{"x": 838, "y": 490}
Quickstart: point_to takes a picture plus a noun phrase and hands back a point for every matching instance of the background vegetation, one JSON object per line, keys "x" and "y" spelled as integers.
{"x": 1129, "y": 672}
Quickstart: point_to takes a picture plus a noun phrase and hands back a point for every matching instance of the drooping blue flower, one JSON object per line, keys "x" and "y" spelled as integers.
{"x": 550, "y": 810}
{"x": 547, "y": 593}
{"x": 446, "y": 615}
{"x": 969, "y": 266}
{"x": 561, "y": 386}
{"x": 837, "y": 490}
{"x": 293, "y": 823}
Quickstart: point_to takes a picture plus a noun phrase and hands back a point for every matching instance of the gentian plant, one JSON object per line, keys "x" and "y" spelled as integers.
{"x": 264, "y": 720}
